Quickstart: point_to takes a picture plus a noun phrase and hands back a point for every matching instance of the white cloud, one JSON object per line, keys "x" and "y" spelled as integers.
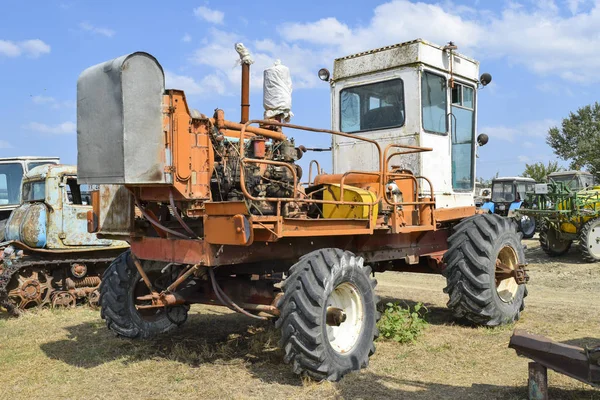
{"x": 528, "y": 145}
{"x": 219, "y": 54}
{"x": 541, "y": 37}
{"x": 52, "y": 102}
{"x": 524, "y": 159}
{"x": 5, "y": 145}
{"x": 212, "y": 16}
{"x": 186, "y": 38}
{"x": 86, "y": 26}
{"x": 209, "y": 84}
{"x": 528, "y": 129}
{"x": 32, "y": 48}
{"x": 65, "y": 128}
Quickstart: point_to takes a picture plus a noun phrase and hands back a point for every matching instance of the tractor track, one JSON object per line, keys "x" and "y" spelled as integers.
{"x": 12, "y": 267}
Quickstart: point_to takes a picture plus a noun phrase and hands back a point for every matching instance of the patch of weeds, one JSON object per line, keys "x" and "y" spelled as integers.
{"x": 400, "y": 324}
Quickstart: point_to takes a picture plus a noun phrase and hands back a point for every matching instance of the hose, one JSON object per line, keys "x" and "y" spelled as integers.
{"x": 223, "y": 298}
{"x": 176, "y": 212}
{"x": 156, "y": 223}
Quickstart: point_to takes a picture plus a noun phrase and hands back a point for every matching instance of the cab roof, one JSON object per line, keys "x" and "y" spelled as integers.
{"x": 513, "y": 178}
{"x": 50, "y": 171}
{"x": 563, "y": 173}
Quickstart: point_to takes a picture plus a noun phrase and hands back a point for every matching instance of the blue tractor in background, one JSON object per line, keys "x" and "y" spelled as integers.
{"x": 508, "y": 195}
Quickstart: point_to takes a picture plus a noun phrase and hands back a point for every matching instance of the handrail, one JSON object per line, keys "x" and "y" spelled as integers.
{"x": 382, "y": 174}
{"x": 310, "y": 166}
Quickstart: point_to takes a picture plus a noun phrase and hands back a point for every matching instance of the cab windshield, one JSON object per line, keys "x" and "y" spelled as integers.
{"x": 569, "y": 181}
{"x": 11, "y": 176}
{"x": 503, "y": 192}
{"x": 374, "y": 106}
{"x": 575, "y": 182}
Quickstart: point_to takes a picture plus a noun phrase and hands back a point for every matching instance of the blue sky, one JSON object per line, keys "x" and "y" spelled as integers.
{"x": 543, "y": 56}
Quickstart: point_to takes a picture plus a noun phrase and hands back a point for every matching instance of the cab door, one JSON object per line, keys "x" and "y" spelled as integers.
{"x": 75, "y": 207}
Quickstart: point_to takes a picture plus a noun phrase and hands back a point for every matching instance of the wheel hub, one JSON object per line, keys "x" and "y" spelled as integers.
{"x": 344, "y": 317}
{"x": 31, "y": 289}
{"x": 506, "y": 284}
{"x": 63, "y": 299}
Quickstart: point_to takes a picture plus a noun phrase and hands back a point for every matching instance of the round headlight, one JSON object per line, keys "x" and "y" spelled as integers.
{"x": 324, "y": 74}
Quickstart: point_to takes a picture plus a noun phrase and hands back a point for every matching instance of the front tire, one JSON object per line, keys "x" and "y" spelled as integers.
{"x": 477, "y": 292}
{"x": 121, "y": 285}
{"x": 527, "y": 226}
{"x": 589, "y": 240}
{"x": 321, "y": 287}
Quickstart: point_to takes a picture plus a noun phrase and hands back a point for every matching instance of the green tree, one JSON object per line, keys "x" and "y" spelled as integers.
{"x": 539, "y": 171}
{"x": 578, "y": 139}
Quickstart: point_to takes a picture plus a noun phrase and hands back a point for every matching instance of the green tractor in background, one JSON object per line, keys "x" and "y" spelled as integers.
{"x": 568, "y": 207}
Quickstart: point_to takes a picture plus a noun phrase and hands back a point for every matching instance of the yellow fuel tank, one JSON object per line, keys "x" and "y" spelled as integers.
{"x": 353, "y": 194}
{"x": 591, "y": 201}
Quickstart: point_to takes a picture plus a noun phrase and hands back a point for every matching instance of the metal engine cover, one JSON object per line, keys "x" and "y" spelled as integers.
{"x": 120, "y": 137}
{"x": 27, "y": 224}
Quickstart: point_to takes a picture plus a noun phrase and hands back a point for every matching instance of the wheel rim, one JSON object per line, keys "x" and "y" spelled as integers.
{"x": 527, "y": 225}
{"x": 347, "y": 303}
{"x": 507, "y": 287}
{"x": 593, "y": 242}
{"x": 31, "y": 289}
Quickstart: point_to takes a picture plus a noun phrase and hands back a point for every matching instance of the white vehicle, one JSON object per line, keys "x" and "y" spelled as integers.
{"x": 416, "y": 94}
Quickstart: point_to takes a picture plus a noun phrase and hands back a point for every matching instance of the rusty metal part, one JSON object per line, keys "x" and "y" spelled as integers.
{"x": 245, "y": 92}
{"x": 63, "y": 300}
{"x": 249, "y": 131}
{"x": 192, "y": 269}
{"x": 12, "y": 268}
{"x": 93, "y": 299}
{"x": 140, "y": 269}
{"x": 88, "y": 281}
{"x": 160, "y": 300}
{"x": 576, "y": 362}
{"x": 154, "y": 222}
{"x": 78, "y": 270}
{"x": 286, "y": 251}
{"x": 258, "y": 147}
{"x": 335, "y": 316}
{"x": 32, "y": 289}
{"x": 178, "y": 217}
{"x": 503, "y": 271}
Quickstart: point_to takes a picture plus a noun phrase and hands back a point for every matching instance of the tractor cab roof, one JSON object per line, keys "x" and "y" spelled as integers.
{"x": 50, "y": 171}
{"x": 513, "y": 179}
{"x": 568, "y": 173}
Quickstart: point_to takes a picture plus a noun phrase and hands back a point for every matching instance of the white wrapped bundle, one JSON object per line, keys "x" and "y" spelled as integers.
{"x": 277, "y": 91}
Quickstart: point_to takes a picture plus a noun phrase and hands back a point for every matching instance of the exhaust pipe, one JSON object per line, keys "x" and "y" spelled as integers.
{"x": 245, "y": 60}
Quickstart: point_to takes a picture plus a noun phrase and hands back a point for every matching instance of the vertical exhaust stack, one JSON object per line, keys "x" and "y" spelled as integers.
{"x": 245, "y": 60}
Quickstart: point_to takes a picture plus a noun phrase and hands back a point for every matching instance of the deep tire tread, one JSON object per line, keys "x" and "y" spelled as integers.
{"x": 470, "y": 260}
{"x": 305, "y": 293}
{"x": 583, "y": 240}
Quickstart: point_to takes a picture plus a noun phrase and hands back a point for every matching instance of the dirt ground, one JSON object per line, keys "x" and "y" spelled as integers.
{"x": 217, "y": 354}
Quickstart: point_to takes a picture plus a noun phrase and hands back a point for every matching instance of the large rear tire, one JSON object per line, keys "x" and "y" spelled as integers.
{"x": 551, "y": 244}
{"x": 589, "y": 240}
{"x": 319, "y": 286}
{"x": 477, "y": 292}
{"x": 121, "y": 285}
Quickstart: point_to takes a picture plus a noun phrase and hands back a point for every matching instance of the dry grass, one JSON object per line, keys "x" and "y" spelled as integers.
{"x": 70, "y": 354}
